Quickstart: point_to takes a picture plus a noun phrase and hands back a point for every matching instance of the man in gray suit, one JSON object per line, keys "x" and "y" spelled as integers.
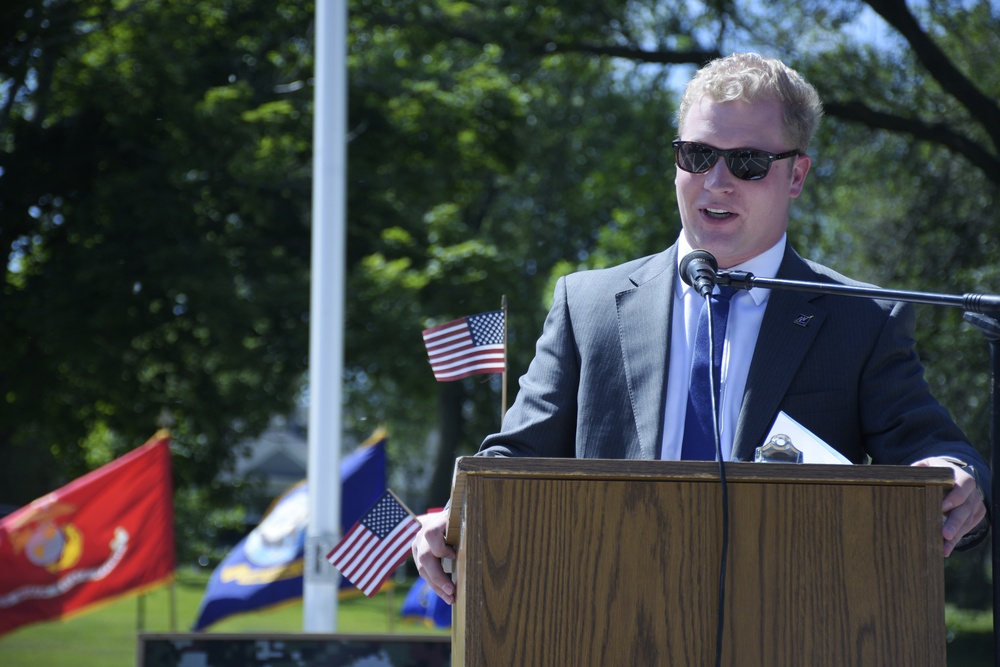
{"x": 611, "y": 372}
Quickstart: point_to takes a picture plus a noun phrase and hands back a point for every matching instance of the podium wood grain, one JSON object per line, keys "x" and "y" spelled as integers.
{"x": 617, "y": 563}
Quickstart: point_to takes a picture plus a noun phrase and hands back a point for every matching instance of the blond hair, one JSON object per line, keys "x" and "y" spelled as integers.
{"x": 749, "y": 77}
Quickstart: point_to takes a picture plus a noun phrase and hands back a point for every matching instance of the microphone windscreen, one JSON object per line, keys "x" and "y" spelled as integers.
{"x": 695, "y": 263}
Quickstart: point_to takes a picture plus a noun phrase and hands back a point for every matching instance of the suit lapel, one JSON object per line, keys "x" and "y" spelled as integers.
{"x": 791, "y": 322}
{"x": 644, "y": 316}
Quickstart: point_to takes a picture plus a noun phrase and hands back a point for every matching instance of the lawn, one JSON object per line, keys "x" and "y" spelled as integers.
{"x": 106, "y": 637}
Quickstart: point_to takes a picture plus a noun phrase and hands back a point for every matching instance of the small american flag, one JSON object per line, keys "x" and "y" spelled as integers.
{"x": 376, "y": 545}
{"x": 466, "y": 346}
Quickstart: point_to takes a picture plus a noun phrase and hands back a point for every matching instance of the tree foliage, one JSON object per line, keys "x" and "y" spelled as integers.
{"x": 154, "y": 198}
{"x": 155, "y": 187}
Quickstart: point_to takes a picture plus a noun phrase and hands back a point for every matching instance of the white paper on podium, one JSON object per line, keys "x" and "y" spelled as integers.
{"x": 813, "y": 449}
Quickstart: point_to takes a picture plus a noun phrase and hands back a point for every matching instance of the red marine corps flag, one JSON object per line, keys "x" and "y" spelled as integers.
{"x": 108, "y": 533}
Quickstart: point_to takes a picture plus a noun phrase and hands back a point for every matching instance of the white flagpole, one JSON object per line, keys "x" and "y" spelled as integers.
{"x": 503, "y": 378}
{"x": 326, "y": 319}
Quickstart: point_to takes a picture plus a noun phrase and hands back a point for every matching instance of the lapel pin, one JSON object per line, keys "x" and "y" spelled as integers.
{"x": 803, "y": 320}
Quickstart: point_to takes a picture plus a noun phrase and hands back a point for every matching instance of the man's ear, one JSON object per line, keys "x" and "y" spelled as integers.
{"x": 799, "y": 170}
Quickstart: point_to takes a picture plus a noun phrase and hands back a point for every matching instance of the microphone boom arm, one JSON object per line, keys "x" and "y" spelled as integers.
{"x": 988, "y": 304}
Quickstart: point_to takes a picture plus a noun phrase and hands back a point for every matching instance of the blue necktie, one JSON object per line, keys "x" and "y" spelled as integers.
{"x": 699, "y": 434}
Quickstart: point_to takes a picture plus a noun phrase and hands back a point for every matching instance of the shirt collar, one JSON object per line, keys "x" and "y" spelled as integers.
{"x": 765, "y": 264}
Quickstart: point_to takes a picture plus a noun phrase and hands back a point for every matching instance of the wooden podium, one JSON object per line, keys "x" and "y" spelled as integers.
{"x": 599, "y": 562}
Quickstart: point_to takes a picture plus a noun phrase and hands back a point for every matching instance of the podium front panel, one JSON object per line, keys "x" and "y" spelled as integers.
{"x": 574, "y": 567}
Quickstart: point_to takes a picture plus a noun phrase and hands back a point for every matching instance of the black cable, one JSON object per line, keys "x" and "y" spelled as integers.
{"x": 716, "y": 417}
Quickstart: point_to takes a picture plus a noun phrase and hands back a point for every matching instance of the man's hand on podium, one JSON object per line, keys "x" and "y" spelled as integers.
{"x": 963, "y": 508}
{"x": 429, "y": 548}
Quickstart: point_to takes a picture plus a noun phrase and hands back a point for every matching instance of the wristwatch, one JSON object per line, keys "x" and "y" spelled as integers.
{"x": 971, "y": 470}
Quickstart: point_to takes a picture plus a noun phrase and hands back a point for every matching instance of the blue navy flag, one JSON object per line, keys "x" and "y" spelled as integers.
{"x": 422, "y": 605}
{"x": 266, "y": 567}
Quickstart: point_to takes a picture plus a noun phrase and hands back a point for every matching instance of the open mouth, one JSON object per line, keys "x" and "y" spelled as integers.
{"x": 717, "y": 213}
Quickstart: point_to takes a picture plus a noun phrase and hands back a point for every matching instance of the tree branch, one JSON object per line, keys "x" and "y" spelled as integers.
{"x": 948, "y": 76}
{"x": 689, "y": 57}
{"x": 938, "y": 133}
{"x": 671, "y": 57}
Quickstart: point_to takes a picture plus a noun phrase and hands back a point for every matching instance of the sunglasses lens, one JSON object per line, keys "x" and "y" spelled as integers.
{"x": 748, "y": 164}
{"x": 696, "y": 158}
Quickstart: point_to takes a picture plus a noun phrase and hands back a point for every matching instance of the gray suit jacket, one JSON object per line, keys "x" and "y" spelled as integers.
{"x": 597, "y": 385}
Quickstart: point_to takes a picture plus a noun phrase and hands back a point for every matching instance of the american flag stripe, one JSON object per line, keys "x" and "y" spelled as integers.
{"x": 376, "y": 545}
{"x": 485, "y": 352}
{"x": 376, "y": 567}
{"x": 439, "y": 355}
{"x": 347, "y": 543}
{"x": 445, "y": 330}
{"x": 354, "y": 560}
{"x": 360, "y": 559}
{"x": 467, "y": 346}
{"x": 392, "y": 557}
{"x": 363, "y": 541}
{"x": 460, "y": 350}
{"x": 466, "y": 371}
{"x": 489, "y": 359}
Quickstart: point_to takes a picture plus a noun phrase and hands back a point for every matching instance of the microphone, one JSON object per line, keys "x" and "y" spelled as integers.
{"x": 698, "y": 269}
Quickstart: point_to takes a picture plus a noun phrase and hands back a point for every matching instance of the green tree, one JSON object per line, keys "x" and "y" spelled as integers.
{"x": 516, "y": 199}
{"x": 155, "y": 176}
{"x": 154, "y": 194}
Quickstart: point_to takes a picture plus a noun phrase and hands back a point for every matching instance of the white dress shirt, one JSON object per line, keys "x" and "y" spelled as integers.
{"x": 746, "y": 311}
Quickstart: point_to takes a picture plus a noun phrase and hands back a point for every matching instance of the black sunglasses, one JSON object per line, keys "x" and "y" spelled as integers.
{"x": 749, "y": 164}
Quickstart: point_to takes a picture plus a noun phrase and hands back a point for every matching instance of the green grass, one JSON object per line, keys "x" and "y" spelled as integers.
{"x": 106, "y": 637}
{"x": 970, "y": 637}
